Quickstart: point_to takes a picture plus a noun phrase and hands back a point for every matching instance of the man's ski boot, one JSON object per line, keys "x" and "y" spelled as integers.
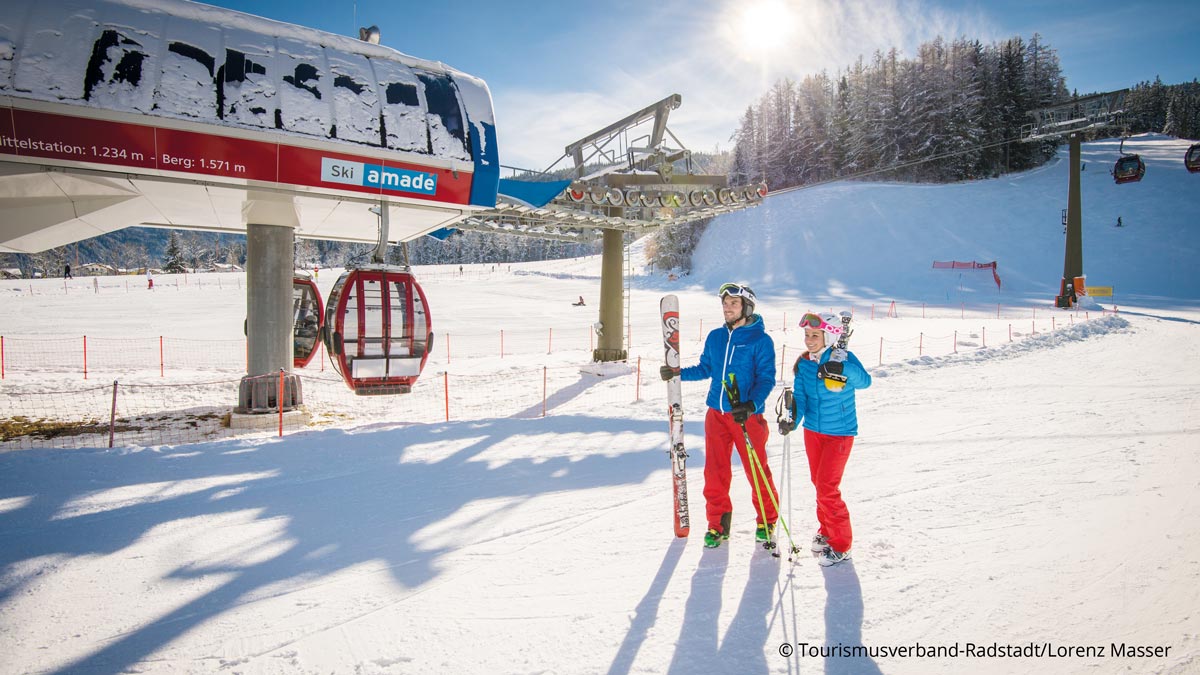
{"x": 713, "y": 539}
{"x": 715, "y": 536}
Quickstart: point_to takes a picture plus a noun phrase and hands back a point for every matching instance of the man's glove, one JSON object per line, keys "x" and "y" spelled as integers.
{"x": 743, "y": 411}
{"x": 786, "y": 427}
{"x": 837, "y": 355}
{"x": 667, "y": 372}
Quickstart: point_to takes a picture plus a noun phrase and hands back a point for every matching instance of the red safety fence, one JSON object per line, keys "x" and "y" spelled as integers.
{"x": 956, "y": 265}
{"x": 165, "y": 392}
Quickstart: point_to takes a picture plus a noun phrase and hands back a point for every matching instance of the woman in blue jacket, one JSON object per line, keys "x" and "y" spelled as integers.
{"x": 830, "y": 423}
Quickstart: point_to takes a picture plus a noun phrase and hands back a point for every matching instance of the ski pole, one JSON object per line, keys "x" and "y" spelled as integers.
{"x": 761, "y": 475}
{"x": 757, "y": 472}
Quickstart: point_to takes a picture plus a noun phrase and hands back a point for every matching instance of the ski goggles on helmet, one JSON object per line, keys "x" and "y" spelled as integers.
{"x": 811, "y": 320}
{"x": 737, "y": 291}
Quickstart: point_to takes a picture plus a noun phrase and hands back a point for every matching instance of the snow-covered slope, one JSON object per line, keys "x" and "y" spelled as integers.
{"x": 1034, "y": 496}
{"x": 879, "y": 241}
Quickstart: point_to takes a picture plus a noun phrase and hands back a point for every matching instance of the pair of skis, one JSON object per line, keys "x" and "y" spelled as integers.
{"x": 669, "y": 307}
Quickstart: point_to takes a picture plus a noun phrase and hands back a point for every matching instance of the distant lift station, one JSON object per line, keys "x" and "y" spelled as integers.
{"x": 118, "y": 113}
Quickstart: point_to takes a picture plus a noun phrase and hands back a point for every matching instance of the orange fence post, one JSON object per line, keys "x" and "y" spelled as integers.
{"x": 161, "y": 368}
{"x": 637, "y": 386}
{"x": 543, "y": 391}
{"x": 446, "y": 383}
{"x": 85, "y": 357}
{"x": 279, "y": 401}
{"x": 550, "y": 341}
{"x": 501, "y": 343}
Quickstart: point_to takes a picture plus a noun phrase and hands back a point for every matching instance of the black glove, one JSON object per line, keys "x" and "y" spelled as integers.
{"x": 785, "y": 409}
{"x": 743, "y": 411}
{"x": 667, "y": 372}
{"x": 831, "y": 370}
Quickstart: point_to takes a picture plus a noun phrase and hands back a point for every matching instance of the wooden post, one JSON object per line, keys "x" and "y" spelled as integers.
{"x": 112, "y": 417}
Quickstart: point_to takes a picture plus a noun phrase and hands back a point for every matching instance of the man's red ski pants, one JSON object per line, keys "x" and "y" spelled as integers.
{"x": 721, "y": 434}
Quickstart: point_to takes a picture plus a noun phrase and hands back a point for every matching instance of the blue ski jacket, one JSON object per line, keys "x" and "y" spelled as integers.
{"x": 747, "y": 352}
{"x": 824, "y": 411}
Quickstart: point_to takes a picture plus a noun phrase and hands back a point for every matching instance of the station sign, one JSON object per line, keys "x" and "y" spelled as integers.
{"x": 154, "y": 148}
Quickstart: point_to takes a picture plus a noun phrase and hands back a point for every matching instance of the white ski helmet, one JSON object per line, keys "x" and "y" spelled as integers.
{"x": 830, "y": 325}
{"x": 739, "y": 291}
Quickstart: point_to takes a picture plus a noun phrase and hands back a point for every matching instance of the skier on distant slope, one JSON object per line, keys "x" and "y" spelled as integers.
{"x": 743, "y": 348}
{"x": 830, "y": 425}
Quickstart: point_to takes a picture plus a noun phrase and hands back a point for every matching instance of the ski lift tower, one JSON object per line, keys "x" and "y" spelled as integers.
{"x": 636, "y": 190}
{"x": 623, "y": 179}
{"x": 1071, "y": 119}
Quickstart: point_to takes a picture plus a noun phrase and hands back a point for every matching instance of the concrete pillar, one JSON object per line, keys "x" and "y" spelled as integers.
{"x": 612, "y": 338}
{"x": 270, "y": 230}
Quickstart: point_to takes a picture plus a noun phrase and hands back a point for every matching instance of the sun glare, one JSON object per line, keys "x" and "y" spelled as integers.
{"x": 762, "y": 26}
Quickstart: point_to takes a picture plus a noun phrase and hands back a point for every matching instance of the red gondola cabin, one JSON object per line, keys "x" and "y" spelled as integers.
{"x": 308, "y": 318}
{"x": 1129, "y": 169}
{"x": 378, "y": 330}
{"x": 1192, "y": 159}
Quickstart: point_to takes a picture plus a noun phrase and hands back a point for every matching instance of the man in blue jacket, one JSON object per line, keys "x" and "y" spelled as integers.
{"x": 830, "y": 425}
{"x": 743, "y": 349}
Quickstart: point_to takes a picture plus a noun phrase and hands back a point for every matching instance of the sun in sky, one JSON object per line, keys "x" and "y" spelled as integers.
{"x": 759, "y": 28}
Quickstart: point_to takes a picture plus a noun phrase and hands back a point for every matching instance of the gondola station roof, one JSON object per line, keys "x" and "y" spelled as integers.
{"x": 170, "y": 113}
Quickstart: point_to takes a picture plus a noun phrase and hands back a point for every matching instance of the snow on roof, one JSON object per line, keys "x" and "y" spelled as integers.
{"x": 185, "y": 60}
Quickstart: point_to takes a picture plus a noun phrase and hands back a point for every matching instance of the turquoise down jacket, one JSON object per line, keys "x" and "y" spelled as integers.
{"x": 824, "y": 411}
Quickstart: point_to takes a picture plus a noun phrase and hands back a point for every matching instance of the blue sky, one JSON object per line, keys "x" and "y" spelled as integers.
{"x": 559, "y": 70}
